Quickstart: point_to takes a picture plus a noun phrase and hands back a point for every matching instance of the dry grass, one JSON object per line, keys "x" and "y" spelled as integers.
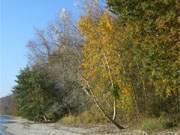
{"x": 92, "y": 116}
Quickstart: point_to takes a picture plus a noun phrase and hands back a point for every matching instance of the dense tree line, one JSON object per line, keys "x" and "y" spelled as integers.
{"x": 152, "y": 47}
{"x": 124, "y": 59}
{"x": 49, "y": 87}
{"x": 7, "y": 106}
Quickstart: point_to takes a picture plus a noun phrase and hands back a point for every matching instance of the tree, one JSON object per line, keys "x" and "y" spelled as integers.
{"x": 102, "y": 66}
{"x": 154, "y": 48}
{"x": 35, "y": 95}
{"x": 57, "y": 51}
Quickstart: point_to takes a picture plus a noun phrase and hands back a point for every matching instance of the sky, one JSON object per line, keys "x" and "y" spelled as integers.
{"x": 18, "y": 20}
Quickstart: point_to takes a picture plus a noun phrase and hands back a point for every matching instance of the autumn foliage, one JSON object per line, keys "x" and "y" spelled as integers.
{"x": 123, "y": 59}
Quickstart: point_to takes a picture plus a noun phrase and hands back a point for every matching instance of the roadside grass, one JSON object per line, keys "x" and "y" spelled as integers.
{"x": 155, "y": 124}
{"x": 89, "y": 117}
{"x": 150, "y": 124}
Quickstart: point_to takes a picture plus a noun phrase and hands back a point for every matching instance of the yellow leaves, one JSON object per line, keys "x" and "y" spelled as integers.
{"x": 106, "y": 23}
{"x": 103, "y": 29}
{"x": 168, "y": 92}
{"x": 178, "y": 19}
{"x": 125, "y": 103}
{"x": 86, "y": 26}
{"x": 161, "y": 23}
{"x": 99, "y": 36}
{"x": 84, "y": 23}
{"x": 102, "y": 64}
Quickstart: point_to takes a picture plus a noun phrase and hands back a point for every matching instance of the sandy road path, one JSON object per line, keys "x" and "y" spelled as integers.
{"x": 19, "y": 126}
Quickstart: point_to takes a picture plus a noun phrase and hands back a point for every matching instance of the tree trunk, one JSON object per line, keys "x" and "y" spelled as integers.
{"x": 104, "y": 113}
{"x": 90, "y": 93}
{"x": 114, "y": 109}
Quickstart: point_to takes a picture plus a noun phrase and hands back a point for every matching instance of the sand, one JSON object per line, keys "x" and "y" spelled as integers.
{"x": 19, "y": 126}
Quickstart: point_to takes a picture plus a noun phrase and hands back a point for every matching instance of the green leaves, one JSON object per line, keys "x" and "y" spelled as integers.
{"x": 150, "y": 54}
{"x": 35, "y": 95}
{"x": 115, "y": 91}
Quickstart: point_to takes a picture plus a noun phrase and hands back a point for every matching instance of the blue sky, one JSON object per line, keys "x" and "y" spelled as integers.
{"x": 18, "y": 20}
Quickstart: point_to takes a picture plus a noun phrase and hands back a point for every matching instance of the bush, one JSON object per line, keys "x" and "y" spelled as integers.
{"x": 35, "y": 94}
{"x": 169, "y": 124}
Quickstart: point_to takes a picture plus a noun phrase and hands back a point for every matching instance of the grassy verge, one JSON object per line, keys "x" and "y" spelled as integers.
{"x": 155, "y": 124}
{"x": 89, "y": 117}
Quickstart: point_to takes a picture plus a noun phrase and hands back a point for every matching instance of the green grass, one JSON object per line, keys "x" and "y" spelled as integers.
{"x": 151, "y": 124}
{"x": 155, "y": 124}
